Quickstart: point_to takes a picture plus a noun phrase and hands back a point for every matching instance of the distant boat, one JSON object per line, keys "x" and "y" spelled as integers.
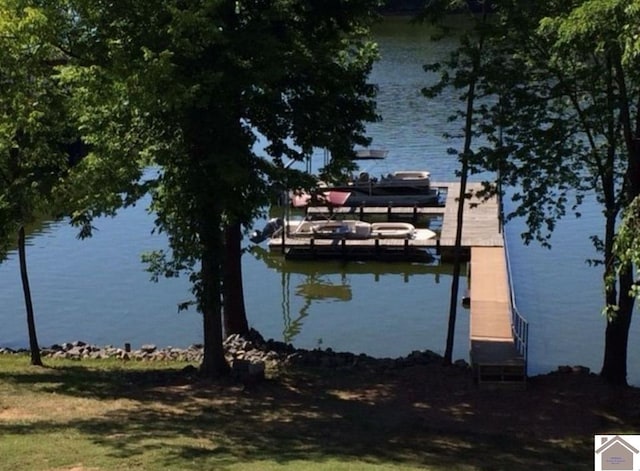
{"x": 400, "y": 188}
{"x": 302, "y": 199}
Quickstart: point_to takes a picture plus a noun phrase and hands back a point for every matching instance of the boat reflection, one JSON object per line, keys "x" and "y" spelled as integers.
{"x": 317, "y": 288}
{"x": 329, "y": 281}
{"x": 314, "y": 288}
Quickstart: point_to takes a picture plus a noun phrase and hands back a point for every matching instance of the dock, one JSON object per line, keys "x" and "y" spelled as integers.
{"x": 481, "y": 228}
{"x": 497, "y": 333}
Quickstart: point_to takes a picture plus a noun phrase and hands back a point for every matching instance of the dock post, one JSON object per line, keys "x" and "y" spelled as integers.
{"x": 343, "y": 246}
{"x": 361, "y": 212}
{"x": 415, "y": 214}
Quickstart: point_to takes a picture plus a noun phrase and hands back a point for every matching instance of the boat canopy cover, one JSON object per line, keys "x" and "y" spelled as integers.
{"x": 371, "y": 154}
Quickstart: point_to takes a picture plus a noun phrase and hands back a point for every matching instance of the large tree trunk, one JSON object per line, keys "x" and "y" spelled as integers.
{"x": 614, "y": 367}
{"x": 235, "y": 315}
{"x": 31, "y": 323}
{"x": 214, "y": 363}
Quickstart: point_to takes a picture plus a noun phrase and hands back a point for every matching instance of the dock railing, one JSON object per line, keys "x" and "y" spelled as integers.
{"x": 519, "y": 325}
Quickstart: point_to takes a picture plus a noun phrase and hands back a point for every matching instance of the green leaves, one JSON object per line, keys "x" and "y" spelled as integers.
{"x": 627, "y": 244}
{"x": 184, "y": 87}
{"x": 35, "y": 132}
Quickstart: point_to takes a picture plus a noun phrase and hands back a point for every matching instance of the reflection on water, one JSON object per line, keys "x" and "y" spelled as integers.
{"x": 359, "y": 296}
{"x": 41, "y": 227}
{"x": 316, "y": 287}
{"x": 313, "y": 288}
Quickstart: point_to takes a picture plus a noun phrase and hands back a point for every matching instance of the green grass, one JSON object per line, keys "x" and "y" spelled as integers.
{"x": 110, "y": 415}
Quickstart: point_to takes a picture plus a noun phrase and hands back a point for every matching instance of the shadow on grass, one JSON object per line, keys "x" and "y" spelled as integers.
{"x": 423, "y": 416}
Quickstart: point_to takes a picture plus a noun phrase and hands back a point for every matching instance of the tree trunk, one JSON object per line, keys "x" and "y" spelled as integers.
{"x": 457, "y": 262}
{"x": 214, "y": 364}
{"x": 612, "y": 370}
{"x": 235, "y": 315}
{"x": 31, "y": 323}
{"x": 614, "y": 366}
{"x": 466, "y": 152}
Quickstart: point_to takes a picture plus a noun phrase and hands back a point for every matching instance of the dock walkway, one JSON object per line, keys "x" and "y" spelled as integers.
{"x": 494, "y": 356}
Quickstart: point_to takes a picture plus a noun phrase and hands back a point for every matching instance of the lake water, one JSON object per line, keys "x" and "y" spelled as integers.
{"x": 97, "y": 290}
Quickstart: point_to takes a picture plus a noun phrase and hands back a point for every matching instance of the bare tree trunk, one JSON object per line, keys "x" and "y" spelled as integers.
{"x": 31, "y": 323}
{"x": 457, "y": 262}
{"x": 235, "y": 314}
{"x": 466, "y": 152}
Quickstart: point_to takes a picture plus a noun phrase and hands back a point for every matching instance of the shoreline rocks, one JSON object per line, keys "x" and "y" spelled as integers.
{"x": 242, "y": 353}
{"x": 251, "y": 357}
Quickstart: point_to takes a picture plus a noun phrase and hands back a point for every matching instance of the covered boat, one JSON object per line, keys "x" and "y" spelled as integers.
{"x": 399, "y": 188}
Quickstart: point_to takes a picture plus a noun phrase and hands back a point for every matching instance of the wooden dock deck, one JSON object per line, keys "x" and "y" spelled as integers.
{"x": 494, "y": 356}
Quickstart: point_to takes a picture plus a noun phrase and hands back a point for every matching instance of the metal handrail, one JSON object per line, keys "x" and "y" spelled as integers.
{"x": 519, "y": 325}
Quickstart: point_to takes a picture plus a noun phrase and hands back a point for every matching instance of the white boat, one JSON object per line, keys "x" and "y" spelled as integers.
{"x": 350, "y": 229}
{"x": 345, "y": 229}
{"x": 413, "y": 176}
{"x": 392, "y": 230}
{"x": 400, "y": 188}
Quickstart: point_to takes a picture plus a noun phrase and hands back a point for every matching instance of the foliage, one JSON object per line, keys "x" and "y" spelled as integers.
{"x": 34, "y": 134}
{"x": 595, "y": 84}
{"x": 559, "y": 107}
{"x": 627, "y": 245}
{"x": 466, "y": 64}
{"x": 188, "y": 87}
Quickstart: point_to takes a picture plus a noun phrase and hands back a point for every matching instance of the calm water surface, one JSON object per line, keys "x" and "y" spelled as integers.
{"x": 97, "y": 290}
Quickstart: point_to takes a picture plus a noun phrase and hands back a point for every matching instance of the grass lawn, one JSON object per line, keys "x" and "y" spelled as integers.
{"x": 112, "y": 415}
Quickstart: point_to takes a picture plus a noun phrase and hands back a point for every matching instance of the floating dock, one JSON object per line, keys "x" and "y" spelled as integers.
{"x": 481, "y": 228}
